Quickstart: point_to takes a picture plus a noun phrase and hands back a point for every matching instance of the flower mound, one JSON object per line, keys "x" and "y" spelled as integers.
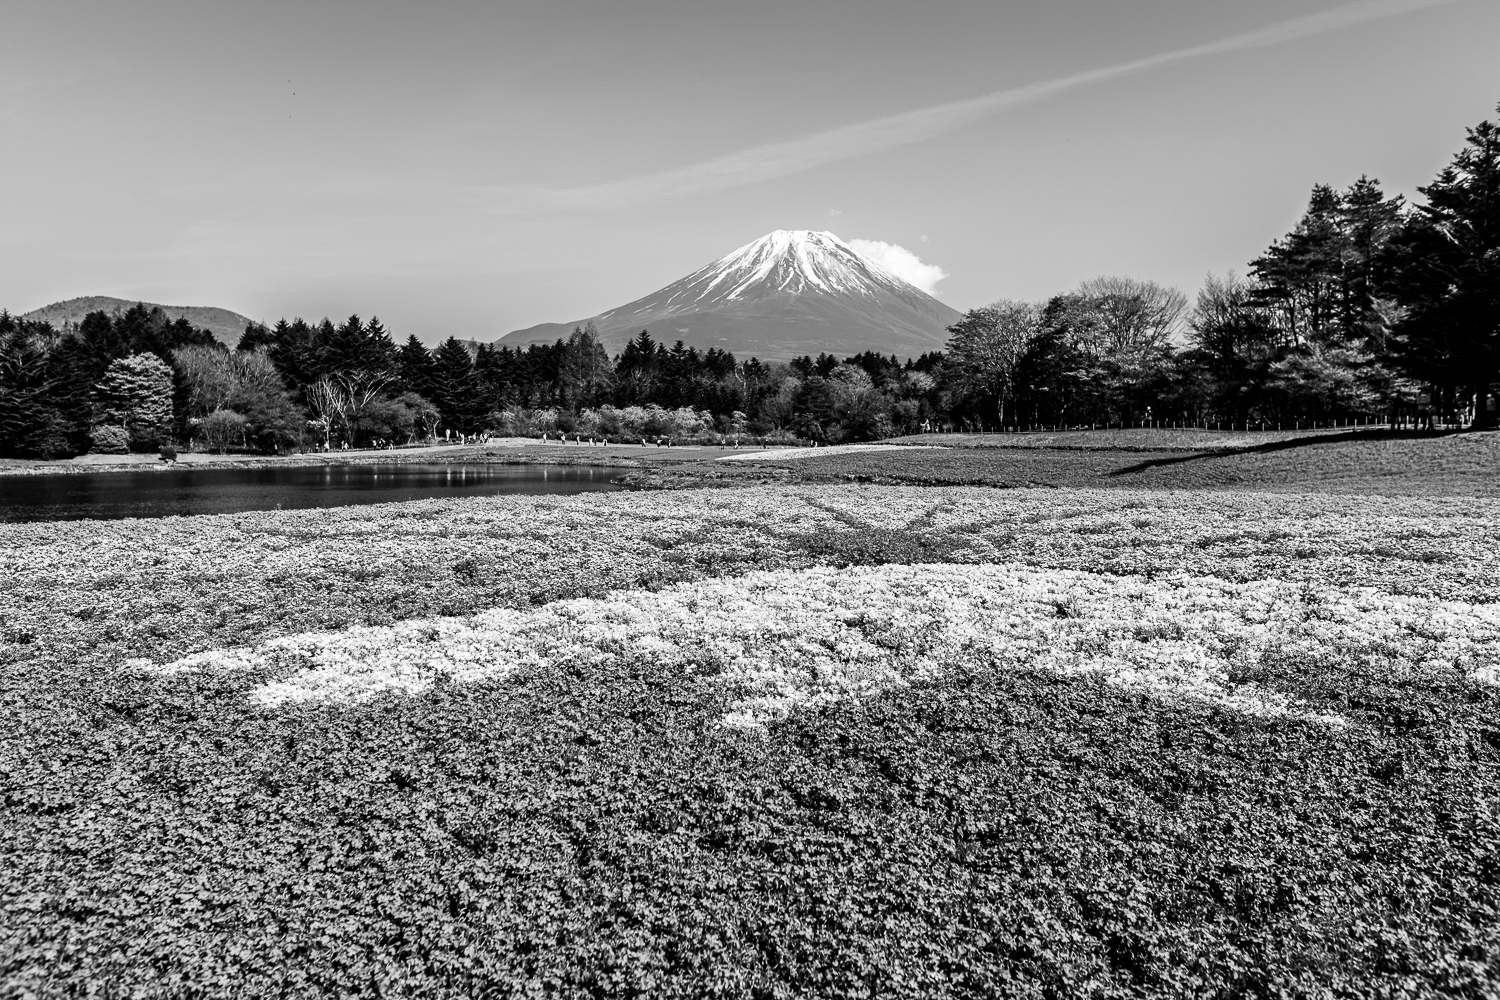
{"x": 785, "y": 640}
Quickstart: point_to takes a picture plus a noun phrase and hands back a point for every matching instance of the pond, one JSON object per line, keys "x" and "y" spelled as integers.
{"x": 163, "y": 492}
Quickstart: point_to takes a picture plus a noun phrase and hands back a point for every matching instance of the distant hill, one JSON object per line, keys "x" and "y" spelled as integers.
{"x": 786, "y": 294}
{"x": 223, "y": 324}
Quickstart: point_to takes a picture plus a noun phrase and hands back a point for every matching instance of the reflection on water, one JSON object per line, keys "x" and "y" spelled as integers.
{"x": 159, "y": 493}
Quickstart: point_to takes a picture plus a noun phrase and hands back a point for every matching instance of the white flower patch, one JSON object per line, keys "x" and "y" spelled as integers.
{"x": 788, "y": 640}
{"x": 780, "y": 454}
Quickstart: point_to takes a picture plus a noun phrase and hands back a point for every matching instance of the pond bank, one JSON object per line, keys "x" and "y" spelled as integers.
{"x": 517, "y": 451}
{"x": 150, "y": 493}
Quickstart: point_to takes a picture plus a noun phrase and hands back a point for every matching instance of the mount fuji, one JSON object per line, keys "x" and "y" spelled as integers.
{"x": 789, "y": 293}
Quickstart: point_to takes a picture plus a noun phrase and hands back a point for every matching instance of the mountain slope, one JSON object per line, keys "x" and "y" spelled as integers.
{"x": 785, "y": 294}
{"x": 223, "y": 324}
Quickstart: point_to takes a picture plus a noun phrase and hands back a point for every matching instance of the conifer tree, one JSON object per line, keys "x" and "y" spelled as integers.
{"x": 295, "y": 351}
{"x": 1448, "y": 264}
{"x": 31, "y": 424}
{"x": 584, "y": 375}
{"x": 636, "y": 369}
{"x": 255, "y": 337}
{"x": 1321, "y": 283}
{"x": 414, "y": 370}
{"x": 455, "y": 387}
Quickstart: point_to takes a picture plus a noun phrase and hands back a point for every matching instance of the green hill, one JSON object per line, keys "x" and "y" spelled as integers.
{"x": 223, "y": 324}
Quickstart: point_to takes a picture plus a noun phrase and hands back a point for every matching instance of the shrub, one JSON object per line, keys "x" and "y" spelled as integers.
{"x": 520, "y": 421}
{"x": 777, "y": 436}
{"x": 223, "y": 429}
{"x": 55, "y": 444}
{"x": 56, "y": 437}
{"x": 109, "y": 440}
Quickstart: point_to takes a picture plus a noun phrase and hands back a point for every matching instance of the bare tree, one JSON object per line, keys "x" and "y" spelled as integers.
{"x": 363, "y": 388}
{"x": 210, "y": 380}
{"x": 338, "y": 400}
{"x": 1226, "y": 321}
{"x": 987, "y": 345}
{"x": 326, "y": 400}
{"x": 215, "y": 377}
{"x": 1127, "y": 318}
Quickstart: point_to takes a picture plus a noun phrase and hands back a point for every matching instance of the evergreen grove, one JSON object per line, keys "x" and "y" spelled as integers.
{"x": 1370, "y": 307}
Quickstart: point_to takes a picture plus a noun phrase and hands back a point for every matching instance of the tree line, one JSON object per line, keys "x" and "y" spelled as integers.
{"x": 1369, "y": 307}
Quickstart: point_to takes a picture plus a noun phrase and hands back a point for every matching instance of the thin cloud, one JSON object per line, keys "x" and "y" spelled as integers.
{"x": 760, "y": 163}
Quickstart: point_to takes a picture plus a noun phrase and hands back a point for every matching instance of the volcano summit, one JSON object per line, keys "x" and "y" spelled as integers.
{"x": 789, "y": 293}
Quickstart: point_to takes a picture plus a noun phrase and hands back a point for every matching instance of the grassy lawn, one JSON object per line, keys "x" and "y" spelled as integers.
{"x": 1109, "y": 737}
{"x": 1134, "y": 438}
{"x": 1465, "y": 464}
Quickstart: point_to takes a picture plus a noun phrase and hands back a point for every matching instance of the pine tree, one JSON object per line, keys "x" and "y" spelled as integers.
{"x": 636, "y": 369}
{"x": 31, "y": 424}
{"x": 456, "y": 388}
{"x": 414, "y": 368}
{"x": 1322, "y": 281}
{"x": 146, "y": 329}
{"x": 718, "y": 364}
{"x": 255, "y": 337}
{"x": 1050, "y": 387}
{"x": 1448, "y": 275}
{"x": 72, "y": 376}
{"x": 296, "y": 352}
{"x": 354, "y": 347}
{"x": 1368, "y": 222}
{"x": 1298, "y": 276}
{"x": 584, "y": 375}
{"x": 100, "y": 343}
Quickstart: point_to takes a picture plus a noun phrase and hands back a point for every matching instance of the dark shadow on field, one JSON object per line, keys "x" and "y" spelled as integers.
{"x": 1274, "y": 446}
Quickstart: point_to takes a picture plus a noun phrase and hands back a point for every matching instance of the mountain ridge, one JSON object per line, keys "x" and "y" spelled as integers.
{"x": 788, "y": 293}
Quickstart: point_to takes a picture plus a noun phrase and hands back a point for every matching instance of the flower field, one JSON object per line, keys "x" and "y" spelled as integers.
{"x": 773, "y": 741}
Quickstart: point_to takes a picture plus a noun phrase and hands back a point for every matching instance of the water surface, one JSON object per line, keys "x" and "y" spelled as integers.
{"x": 162, "y": 492}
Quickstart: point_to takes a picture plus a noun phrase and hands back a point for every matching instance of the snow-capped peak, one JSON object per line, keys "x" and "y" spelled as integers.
{"x": 788, "y": 261}
{"x": 791, "y": 292}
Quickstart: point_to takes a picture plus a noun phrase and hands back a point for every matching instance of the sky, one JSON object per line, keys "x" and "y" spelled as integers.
{"x": 471, "y": 168}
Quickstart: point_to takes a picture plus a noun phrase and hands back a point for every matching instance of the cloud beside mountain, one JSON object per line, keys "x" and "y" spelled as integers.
{"x": 902, "y": 263}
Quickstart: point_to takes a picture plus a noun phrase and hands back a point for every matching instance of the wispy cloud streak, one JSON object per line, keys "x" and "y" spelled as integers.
{"x": 781, "y": 159}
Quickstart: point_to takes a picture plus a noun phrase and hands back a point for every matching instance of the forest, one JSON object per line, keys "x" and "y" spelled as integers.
{"x": 1371, "y": 307}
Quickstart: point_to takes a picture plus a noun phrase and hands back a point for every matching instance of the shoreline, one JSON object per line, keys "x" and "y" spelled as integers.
{"x": 531, "y": 451}
{"x": 507, "y": 451}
